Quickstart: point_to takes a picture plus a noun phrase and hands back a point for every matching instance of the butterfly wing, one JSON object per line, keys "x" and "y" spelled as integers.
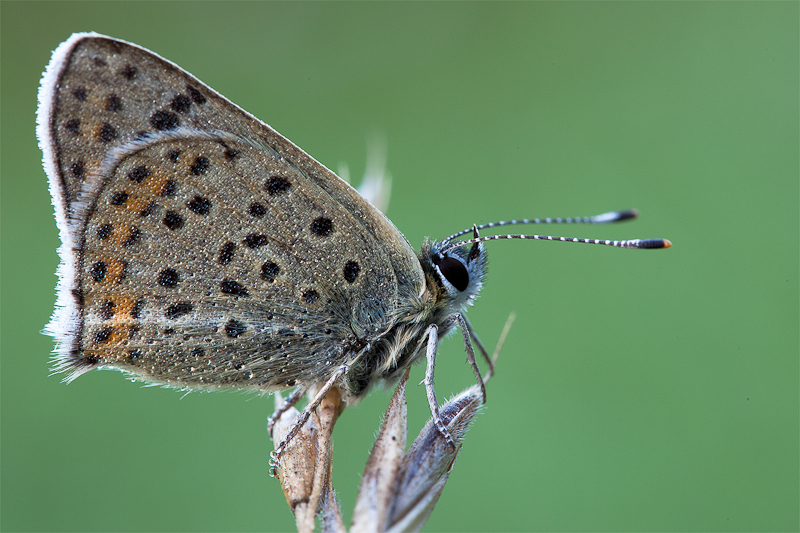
{"x": 200, "y": 247}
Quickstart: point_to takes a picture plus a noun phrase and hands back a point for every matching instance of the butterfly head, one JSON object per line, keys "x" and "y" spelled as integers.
{"x": 458, "y": 271}
{"x": 457, "y": 267}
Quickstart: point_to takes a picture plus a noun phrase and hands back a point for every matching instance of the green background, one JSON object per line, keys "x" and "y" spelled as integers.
{"x": 638, "y": 391}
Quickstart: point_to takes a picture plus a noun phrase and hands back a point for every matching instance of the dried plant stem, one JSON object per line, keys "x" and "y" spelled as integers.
{"x": 305, "y": 467}
{"x": 400, "y": 487}
{"x": 510, "y": 320}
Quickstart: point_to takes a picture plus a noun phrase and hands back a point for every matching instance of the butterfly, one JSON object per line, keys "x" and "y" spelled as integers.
{"x": 203, "y": 250}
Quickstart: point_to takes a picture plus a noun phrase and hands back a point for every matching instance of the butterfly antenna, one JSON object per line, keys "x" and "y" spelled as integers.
{"x": 645, "y": 244}
{"x": 611, "y": 216}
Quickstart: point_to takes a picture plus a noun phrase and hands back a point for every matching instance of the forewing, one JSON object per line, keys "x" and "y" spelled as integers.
{"x": 200, "y": 247}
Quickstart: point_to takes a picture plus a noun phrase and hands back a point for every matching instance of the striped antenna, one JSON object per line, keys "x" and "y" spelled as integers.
{"x": 611, "y": 216}
{"x": 633, "y": 243}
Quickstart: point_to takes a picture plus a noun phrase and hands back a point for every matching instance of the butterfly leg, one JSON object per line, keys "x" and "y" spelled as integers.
{"x": 288, "y": 403}
{"x": 480, "y": 345}
{"x": 275, "y": 456}
{"x": 433, "y": 343}
{"x": 466, "y": 332}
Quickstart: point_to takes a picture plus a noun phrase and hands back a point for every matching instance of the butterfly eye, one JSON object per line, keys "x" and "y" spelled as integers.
{"x": 453, "y": 270}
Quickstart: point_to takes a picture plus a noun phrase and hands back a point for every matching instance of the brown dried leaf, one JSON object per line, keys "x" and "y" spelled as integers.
{"x": 377, "y": 485}
{"x": 427, "y": 465}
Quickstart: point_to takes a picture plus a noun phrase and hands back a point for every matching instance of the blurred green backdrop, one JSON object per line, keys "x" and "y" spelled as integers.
{"x": 638, "y": 391}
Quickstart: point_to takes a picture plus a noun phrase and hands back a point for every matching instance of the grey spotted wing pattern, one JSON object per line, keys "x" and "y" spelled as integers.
{"x": 200, "y": 247}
